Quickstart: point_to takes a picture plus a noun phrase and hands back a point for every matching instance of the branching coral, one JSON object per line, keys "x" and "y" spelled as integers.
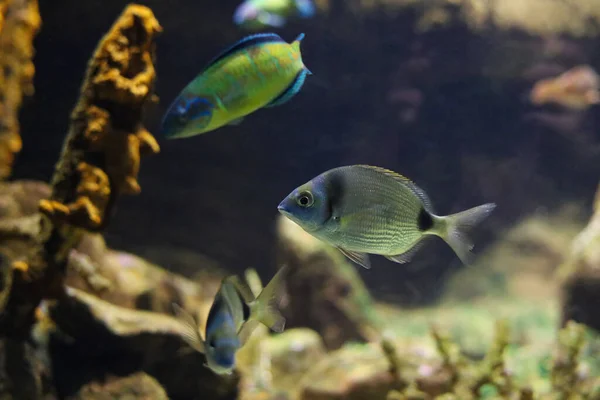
{"x": 100, "y": 160}
{"x": 458, "y": 377}
{"x": 19, "y": 23}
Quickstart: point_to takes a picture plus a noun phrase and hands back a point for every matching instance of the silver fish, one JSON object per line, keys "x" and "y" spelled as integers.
{"x": 361, "y": 210}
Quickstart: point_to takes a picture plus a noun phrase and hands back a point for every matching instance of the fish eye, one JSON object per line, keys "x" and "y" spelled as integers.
{"x": 212, "y": 344}
{"x": 305, "y": 199}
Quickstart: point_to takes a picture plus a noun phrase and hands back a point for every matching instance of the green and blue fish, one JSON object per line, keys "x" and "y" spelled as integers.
{"x": 232, "y": 318}
{"x": 259, "y": 71}
{"x": 361, "y": 210}
{"x": 258, "y": 14}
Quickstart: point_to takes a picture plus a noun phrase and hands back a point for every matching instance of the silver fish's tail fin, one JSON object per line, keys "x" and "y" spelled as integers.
{"x": 190, "y": 333}
{"x": 266, "y": 307}
{"x": 457, "y": 226}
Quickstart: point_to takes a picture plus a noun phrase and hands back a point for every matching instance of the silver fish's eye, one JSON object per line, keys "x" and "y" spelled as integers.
{"x": 305, "y": 199}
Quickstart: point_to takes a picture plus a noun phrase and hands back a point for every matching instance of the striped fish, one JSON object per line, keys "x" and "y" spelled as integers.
{"x": 232, "y": 318}
{"x": 259, "y": 71}
{"x": 361, "y": 210}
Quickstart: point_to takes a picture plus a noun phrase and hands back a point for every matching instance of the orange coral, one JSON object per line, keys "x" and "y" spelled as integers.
{"x": 577, "y": 88}
{"x": 19, "y": 23}
{"x": 120, "y": 75}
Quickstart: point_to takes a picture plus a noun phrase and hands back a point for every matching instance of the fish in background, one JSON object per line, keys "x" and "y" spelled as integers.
{"x": 259, "y": 71}
{"x": 258, "y": 14}
{"x": 577, "y": 89}
{"x": 362, "y": 209}
{"x": 232, "y": 318}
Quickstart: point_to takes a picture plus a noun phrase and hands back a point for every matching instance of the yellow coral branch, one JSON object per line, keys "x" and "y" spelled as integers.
{"x": 19, "y": 23}
{"x": 99, "y": 161}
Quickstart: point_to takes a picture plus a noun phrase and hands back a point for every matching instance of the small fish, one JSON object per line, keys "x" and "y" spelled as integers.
{"x": 577, "y": 89}
{"x": 259, "y": 71}
{"x": 232, "y": 318}
{"x": 363, "y": 210}
{"x": 257, "y": 14}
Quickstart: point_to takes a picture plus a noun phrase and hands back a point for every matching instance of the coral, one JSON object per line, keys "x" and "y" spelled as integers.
{"x": 19, "y": 23}
{"x": 88, "y": 178}
{"x": 135, "y": 386}
{"x": 101, "y": 157}
{"x": 580, "y": 274}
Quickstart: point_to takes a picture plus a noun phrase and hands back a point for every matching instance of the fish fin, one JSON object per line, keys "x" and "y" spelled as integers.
{"x": 409, "y": 254}
{"x": 191, "y": 335}
{"x": 456, "y": 228}
{"x": 273, "y": 20}
{"x": 296, "y": 43}
{"x": 243, "y": 289}
{"x": 246, "y": 330}
{"x": 361, "y": 259}
{"x": 306, "y": 8}
{"x": 235, "y": 122}
{"x": 266, "y": 307}
{"x": 244, "y": 43}
{"x": 291, "y": 90}
{"x": 406, "y": 182}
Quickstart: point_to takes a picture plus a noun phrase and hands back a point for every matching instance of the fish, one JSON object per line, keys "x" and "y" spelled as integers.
{"x": 232, "y": 318}
{"x": 363, "y": 209}
{"x": 257, "y": 14}
{"x": 577, "y": 89}
{"x": 259, "y": 71}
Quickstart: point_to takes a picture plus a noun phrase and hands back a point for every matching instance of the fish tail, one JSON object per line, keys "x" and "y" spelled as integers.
{"x": 296, "y": 47}
{"x": 190, "y": 334}
{"x": 456, "y": 226}
{"x": 266, "y": 307}
{"x": 296, "y": 43}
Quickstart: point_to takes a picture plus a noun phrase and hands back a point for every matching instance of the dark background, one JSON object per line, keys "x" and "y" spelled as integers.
{"x": 447, "y": 108}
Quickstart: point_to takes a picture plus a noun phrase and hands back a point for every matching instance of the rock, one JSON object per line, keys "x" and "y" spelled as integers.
{"x": 325, "y": 292}
{"x": 580, "y": 275}
{"x": 96, "y": 339}
{"x": 354, "y": 372}
{"x": 273, "y": 364}
{"x": 136, "y": 386}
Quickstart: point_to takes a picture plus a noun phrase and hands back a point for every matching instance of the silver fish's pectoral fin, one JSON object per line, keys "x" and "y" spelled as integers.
{"x": 246, "y": 330}
{"x": 361, "y": 259}
{"x": 266, "y": 307}
{"x": 191, "y": 334}
{"x": 409, "y": 254}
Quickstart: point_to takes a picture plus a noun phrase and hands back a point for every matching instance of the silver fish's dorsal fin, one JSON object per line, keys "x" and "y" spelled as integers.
{"x": 248, "y": 41}
{"x": 191, "y": 334}
{"x": 406, "y": 182}
{"x": 409, "y": 254}
{"x": 361, "y": 259}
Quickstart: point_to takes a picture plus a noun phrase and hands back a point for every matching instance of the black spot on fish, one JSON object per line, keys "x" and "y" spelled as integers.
{"x": 245, "y": 311}
{"x": 424, "y": 220}
{"x": 335, "y": 191}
